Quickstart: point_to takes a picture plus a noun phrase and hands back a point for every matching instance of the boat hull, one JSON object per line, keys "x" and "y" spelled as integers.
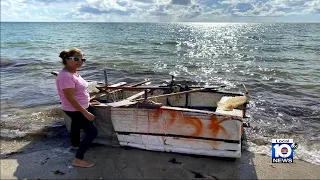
{"x": 178, "y": 130}
{"x": 184, "y": 122}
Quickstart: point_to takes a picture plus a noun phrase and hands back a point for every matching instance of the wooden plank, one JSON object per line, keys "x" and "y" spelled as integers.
{"x": 102, "y": 94}
{"x": 186, "y": 109}
{"x": 118, "y": 84}
{"x": 168, "y": 121}
{"x": 178, "y": 142}
{"x": 169, "y": 148}
{"x": 234, "y": 112}
{"x": 123, "y": 103}
{"x": 140, "y": 83}
{"x": 173, "y": 94}
{"x": 245, "y": 89}
{"x": 119, "y": 90}
{"x": 129, "y": 88}
{"x": 136, "y": 95}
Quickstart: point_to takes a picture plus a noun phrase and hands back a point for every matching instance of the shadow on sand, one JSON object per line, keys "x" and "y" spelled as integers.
{"x": 50, "y": 158}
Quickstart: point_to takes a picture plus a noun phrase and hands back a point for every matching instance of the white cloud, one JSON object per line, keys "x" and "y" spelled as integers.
{"x": 313, "y": 7}
{"x": 153, "y": 10}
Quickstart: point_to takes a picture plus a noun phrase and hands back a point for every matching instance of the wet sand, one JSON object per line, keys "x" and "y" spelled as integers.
{"x": 50, "y": 158}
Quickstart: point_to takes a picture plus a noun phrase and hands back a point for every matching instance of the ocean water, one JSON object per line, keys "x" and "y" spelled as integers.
{"x": 279, "y": 63}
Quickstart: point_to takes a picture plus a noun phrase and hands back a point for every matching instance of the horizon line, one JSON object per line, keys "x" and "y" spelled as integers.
{"x": 315, "y": 22}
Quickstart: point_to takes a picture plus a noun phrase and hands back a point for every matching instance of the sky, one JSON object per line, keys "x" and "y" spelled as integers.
{"x": 160, "y": 10}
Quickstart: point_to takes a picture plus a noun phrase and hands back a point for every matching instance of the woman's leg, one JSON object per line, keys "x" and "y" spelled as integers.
{"x": 91, "y": 133}
{"x": 75, "y": 127}
{"x": 75, "y": 134}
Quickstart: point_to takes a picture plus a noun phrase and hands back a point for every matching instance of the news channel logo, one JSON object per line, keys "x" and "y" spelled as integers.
{"x": 283, "y": 150}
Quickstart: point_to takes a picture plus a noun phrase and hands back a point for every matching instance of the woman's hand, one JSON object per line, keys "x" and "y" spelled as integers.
{"x": 89, "y": 116}
{"x": 94, "y": 102}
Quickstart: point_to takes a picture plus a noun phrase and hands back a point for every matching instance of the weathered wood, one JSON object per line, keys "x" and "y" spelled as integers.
{"x": 102, "y": 94}
{"x": 140, "y": 83}
{"x": 169, "y": 148}
{"x": 136, "y": 95}
{"x": 105, "y": 77}
{"x": 173, "y": 94}
{"x": 186, "y": 109}
{"x": 196, "y": 87}
{"x": 130, "y": 88}
{"x": 170, "y": 121}
{"x": 245, "y": 89}
{"x": 122, "y": 103}
{"x": 177, "y": 142}
{"x": 134, "y": 85}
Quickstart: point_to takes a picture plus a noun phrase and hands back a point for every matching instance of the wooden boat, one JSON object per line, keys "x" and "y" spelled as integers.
{"x": 171, "y": 118}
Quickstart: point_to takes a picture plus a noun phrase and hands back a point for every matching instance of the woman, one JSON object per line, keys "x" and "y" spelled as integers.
{"x": 75, "y": 102}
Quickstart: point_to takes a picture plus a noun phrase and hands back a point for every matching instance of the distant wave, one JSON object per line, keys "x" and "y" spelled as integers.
{"x": 165, "y": 43}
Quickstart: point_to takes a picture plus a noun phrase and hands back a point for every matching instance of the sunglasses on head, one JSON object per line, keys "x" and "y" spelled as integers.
{"x": 77, "y": 59}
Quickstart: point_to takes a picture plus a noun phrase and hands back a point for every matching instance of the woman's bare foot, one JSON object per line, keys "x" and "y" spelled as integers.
{"x": 81, "y": 163}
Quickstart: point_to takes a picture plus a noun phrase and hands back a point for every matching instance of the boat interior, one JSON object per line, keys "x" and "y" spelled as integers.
{"x": 178, "y": 96}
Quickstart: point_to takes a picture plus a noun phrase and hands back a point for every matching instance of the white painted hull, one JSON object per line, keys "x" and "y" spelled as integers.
{"x": 180, "y": 145}
{"x": 180, "y": 131}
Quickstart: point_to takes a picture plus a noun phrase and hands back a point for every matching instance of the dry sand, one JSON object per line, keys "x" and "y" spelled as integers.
{"x": 50, "y": 158}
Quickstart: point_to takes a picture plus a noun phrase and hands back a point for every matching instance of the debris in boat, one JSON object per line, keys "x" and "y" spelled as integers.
{"x": 148, "y": 104}
{"x": 174, "y": 161}
{"x": 229, "y": 103}
{"x": 58, "y": 172}
{"x": 92, "y": 87}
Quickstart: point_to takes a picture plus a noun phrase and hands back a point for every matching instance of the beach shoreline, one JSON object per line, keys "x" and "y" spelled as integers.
{"x": 50, "y": 158}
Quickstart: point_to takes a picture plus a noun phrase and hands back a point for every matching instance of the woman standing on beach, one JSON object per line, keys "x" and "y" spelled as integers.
{"x": 75, "y": 102}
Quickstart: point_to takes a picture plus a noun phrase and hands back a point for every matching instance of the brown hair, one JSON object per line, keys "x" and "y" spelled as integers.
{"x": 69, "y": 53}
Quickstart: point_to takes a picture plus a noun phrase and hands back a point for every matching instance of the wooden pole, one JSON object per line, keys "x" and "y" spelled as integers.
{"x": 105, "y": 93}
{"x": 105, "y": 77}
{"x": 245, "y": 88}
{"x": 130, "y": 88}
{"x": 145, "y": 94}
{"x": 172, "y": 94}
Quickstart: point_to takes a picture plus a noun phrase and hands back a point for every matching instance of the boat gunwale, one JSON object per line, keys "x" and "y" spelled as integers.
{"x": 134, "y": 106}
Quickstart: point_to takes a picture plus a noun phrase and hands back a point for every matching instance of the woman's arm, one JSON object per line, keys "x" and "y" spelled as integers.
{"x": 69, "y": 94}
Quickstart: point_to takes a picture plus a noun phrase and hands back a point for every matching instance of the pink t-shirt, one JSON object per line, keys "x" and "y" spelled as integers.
{"x": 66, "y": 80}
